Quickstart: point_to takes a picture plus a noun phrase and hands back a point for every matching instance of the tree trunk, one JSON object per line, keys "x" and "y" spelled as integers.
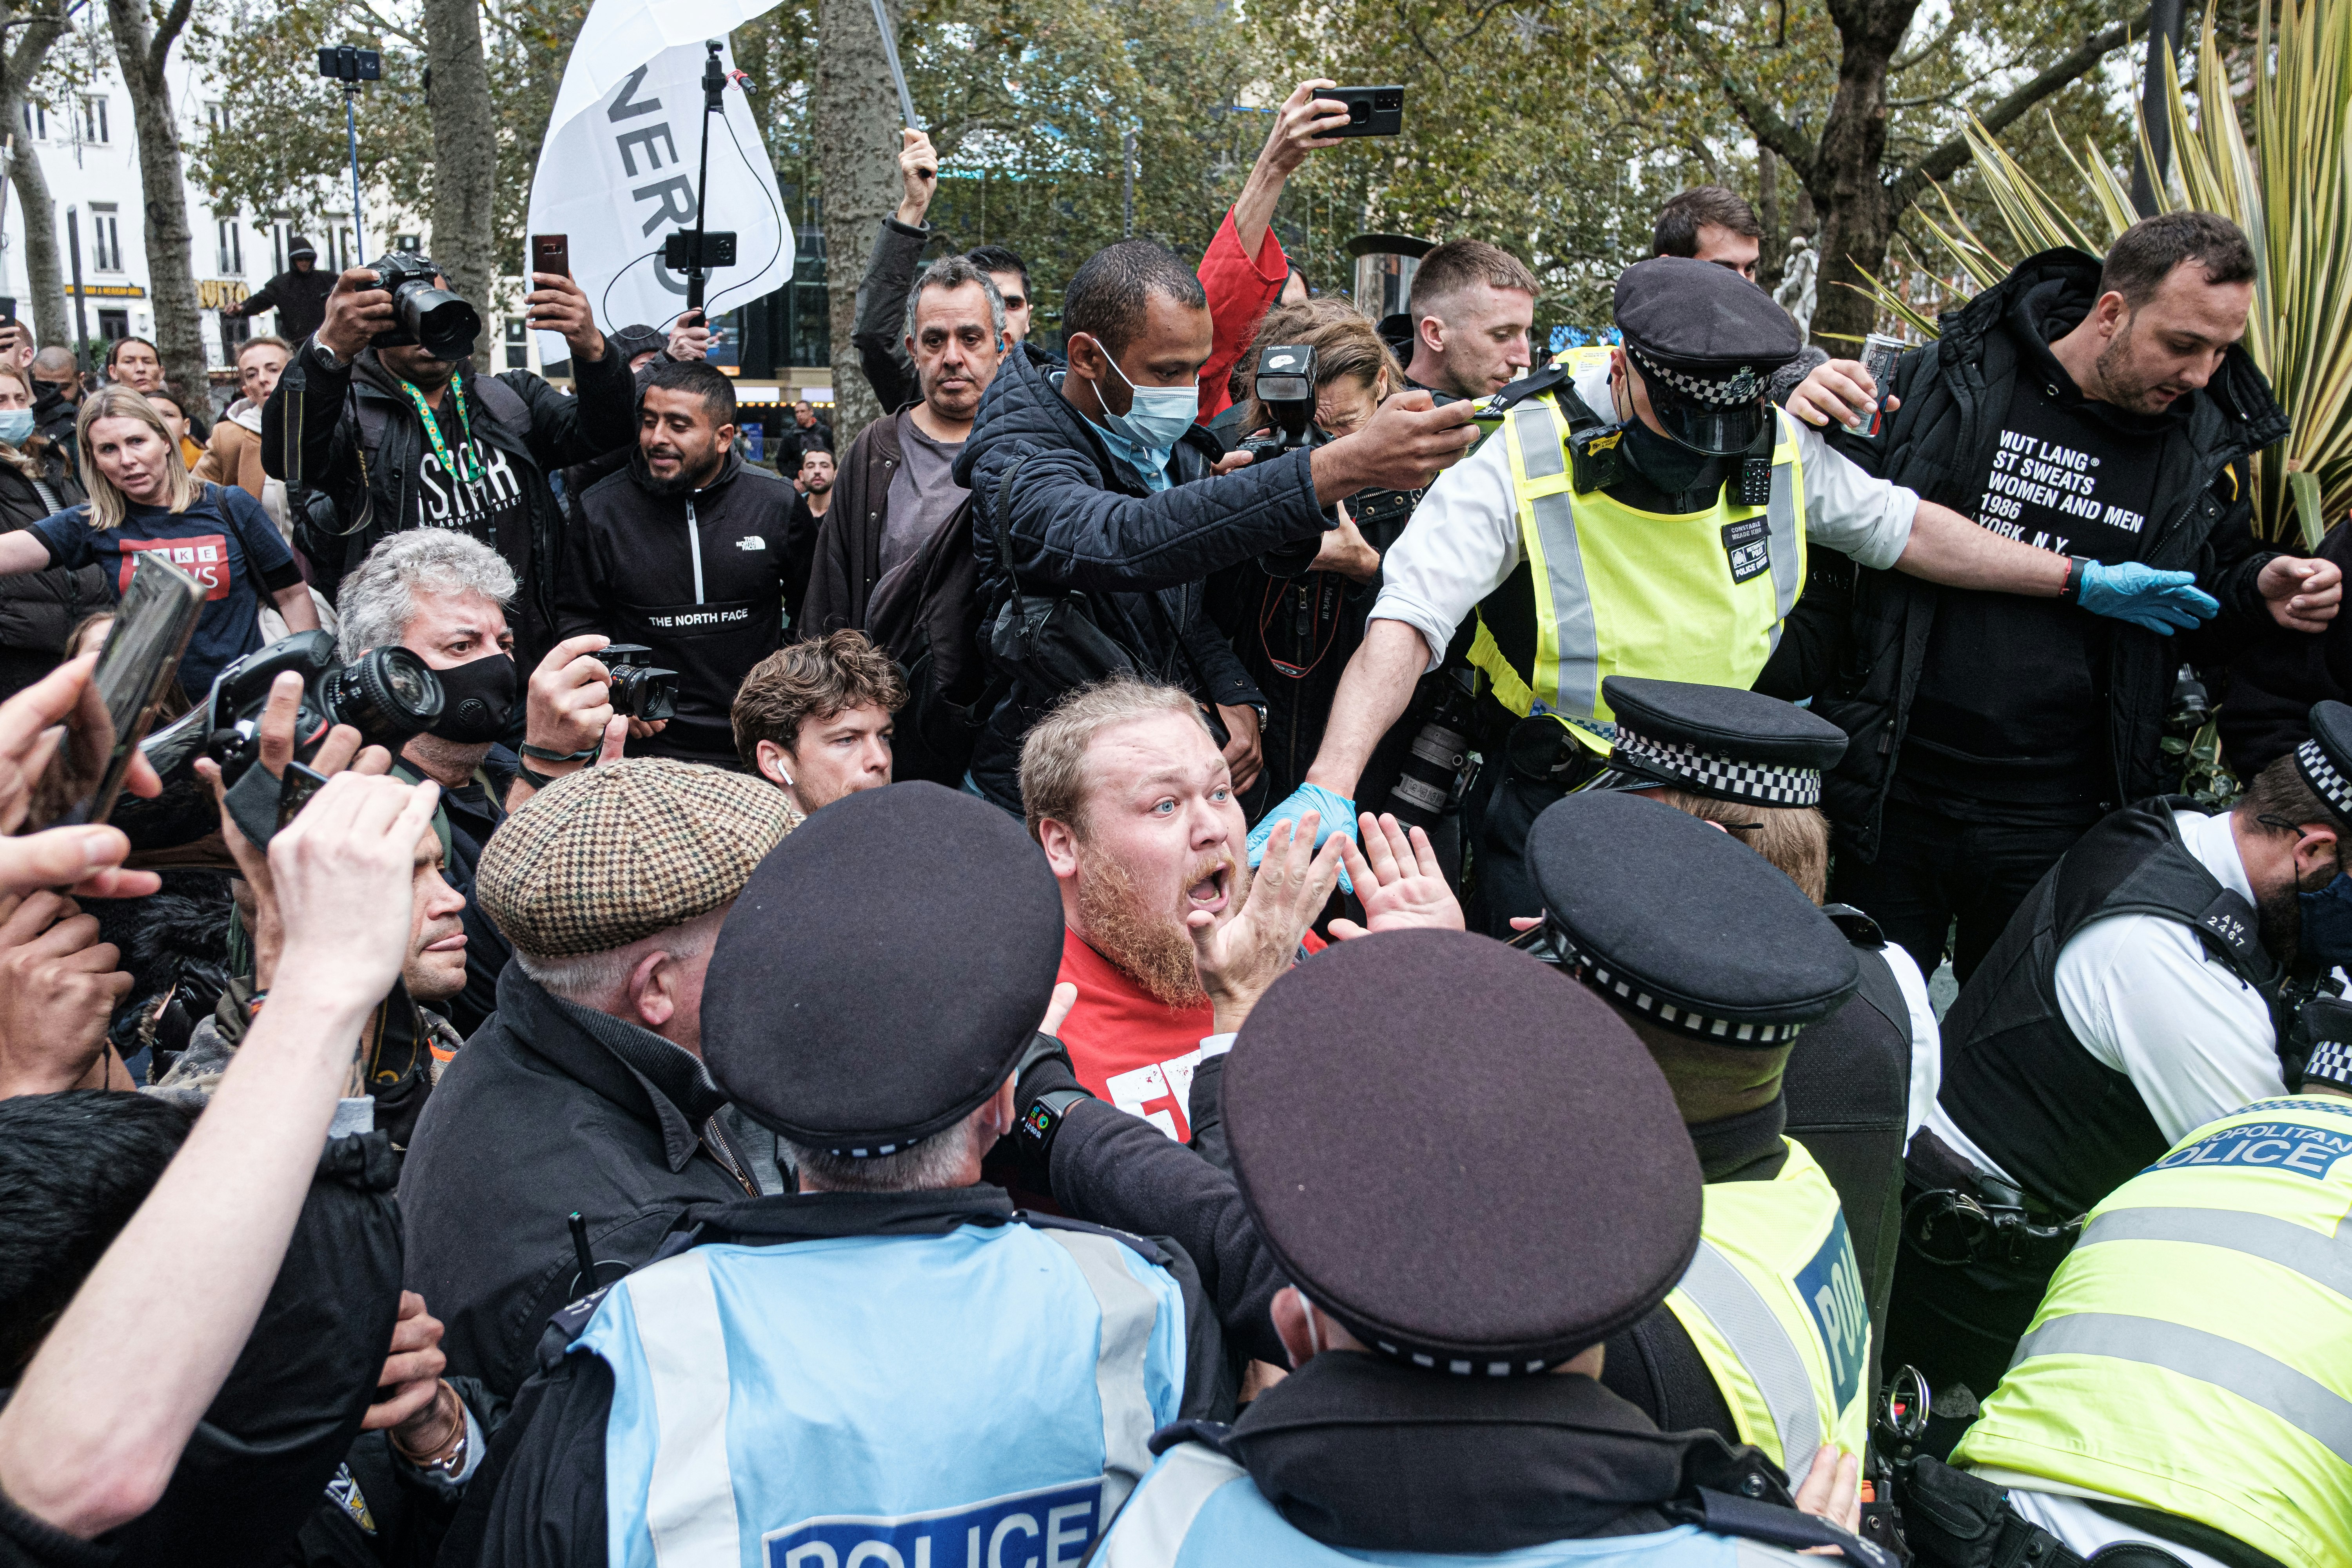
{"x": 40, "y": 25}
{"x": 1848, "y": 182}
{"x": 856, "y": 128}
{"x": 141, "y": 51}
{"x": 464, "y": 159}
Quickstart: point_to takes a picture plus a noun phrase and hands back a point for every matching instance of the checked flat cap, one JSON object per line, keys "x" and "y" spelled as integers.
{"x": 619, "y": 851}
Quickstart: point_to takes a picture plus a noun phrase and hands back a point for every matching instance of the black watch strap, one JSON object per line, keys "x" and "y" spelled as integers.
{"x": 1041, "y": 1122}
{"x": 544, "y": 756}
{"x": 2072, "y": 592}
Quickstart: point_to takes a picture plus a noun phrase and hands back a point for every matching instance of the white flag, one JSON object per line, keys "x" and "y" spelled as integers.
{"x": 616, "y": 173}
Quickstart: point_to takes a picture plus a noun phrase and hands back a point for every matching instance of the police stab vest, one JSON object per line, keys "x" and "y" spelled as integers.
{"x": 967, "y": 1400}
{"x": 2068, "y": 1129}
{"x": 1697, "y": 598}
{"x": 2191, "y": 1354}
{"x": 1774, "y": 1302}
{"x": 1198, "y": 1508}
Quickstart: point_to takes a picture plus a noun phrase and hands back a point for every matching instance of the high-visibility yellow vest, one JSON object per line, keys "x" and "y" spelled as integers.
{"x": 1775, "y": 1304}
{"x": 1697, "y": 598}
{"x": 2194, "y": 1353}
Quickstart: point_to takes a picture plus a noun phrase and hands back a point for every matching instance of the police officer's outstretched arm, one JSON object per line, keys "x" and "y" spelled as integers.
{"x": 1946, "y": 547}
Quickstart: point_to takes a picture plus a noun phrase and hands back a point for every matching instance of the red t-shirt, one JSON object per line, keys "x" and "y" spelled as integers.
{"x": 1127, "y": 1047}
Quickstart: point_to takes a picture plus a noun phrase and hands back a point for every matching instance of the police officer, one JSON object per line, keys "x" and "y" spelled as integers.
{"x": 1447, "y": 1299}
{"x": 1643, "y": 510}
{"x": 1720, "y": 964}
{"x": 2149, "y": 984}
{"x": 1863, "y": 1078}
{"x": 2184, "y": 1384}
{"x": 890, "y": 1364}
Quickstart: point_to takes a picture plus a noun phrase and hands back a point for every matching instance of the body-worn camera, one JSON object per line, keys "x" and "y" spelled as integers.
{"x": 640, "y": 689}
{"x": 425, "y": 314}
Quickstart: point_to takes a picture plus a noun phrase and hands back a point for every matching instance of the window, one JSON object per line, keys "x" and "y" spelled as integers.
{"x": 217, "y": 117}
{"x": 231, "y": 248}
{"x": 36, "y": 122}
{"x": 106, "y": 239}
{"x": 235, "y": 329}
{"x": 114, "y": 325}
{"x": 93, "y": 119}
{"x": 518, "y": 343}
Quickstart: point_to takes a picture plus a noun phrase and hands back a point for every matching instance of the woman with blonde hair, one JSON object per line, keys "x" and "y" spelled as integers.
{"x": 36, "y": 610}
{"x": 1294, "y": 630}
{"x": 142, "y": 498}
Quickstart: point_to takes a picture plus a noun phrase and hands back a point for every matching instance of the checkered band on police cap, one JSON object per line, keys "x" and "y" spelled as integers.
{"x": 1743, "y": 386}
{"x": 2311, "y": 762}
{"x": 2330, "y": 1063}
{"x": 1626, "y": 989}
{"x": 1712, "y": 772}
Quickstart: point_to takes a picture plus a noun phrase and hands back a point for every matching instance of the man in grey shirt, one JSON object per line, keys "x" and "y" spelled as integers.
{"x": 896, "y": 489}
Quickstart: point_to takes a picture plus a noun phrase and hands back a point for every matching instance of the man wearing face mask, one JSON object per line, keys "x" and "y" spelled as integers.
{"x": 2148, "y": 985}
{"x": 1644, "y": 511}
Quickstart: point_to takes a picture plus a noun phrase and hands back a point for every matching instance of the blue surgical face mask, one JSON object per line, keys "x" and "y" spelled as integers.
{"x": 2327, "y": 923}
{"x": 15, "y": 425}
{"x": 1155, "y": 421}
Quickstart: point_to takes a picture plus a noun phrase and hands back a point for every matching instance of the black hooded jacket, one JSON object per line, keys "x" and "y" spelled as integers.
{"x": 1078, "y": 520}
{"x": 299, "y": 298}
{"x": 1866, "y": 646}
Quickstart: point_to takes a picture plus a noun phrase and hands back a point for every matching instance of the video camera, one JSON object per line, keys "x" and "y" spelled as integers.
{"x": 424, "y": 314}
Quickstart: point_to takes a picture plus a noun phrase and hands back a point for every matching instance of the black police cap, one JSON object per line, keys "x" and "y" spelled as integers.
{"x": 1704, "y": 331}
{"x": 882, "y": 970}
{"x": 1717, "y": 741}
{"x": 1476, "y": 1169}
{"x": 2326, "y": 760}
{"x": 1679, "y": 920}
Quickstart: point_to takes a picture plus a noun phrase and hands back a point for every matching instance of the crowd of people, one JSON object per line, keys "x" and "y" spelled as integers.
{"x": 1082, "y": 978}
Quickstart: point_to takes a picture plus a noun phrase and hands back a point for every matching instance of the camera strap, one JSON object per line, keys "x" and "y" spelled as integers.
{"x": 464, "y": 465}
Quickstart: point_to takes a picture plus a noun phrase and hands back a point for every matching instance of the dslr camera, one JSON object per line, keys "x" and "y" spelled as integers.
{"x": 423, "y": 313}
{"x": 640, "y": 689}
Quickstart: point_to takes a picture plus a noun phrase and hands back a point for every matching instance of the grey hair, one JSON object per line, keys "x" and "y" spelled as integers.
{"x": 954, "y": 272}
{"x": 935, "y": 1164}
{"x": 591, "y": 978}
{"x": 377, "y": 601}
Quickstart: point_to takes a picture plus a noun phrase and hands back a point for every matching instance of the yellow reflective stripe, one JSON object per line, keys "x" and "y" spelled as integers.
{"x": 1487, "y": 655}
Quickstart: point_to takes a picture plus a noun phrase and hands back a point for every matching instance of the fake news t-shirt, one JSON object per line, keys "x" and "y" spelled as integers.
{"x": 224, "y": 540}
{"x": 2010, "y": 707}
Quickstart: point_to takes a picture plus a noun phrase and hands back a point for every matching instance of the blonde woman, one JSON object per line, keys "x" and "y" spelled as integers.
{"x": 142, "y": 497}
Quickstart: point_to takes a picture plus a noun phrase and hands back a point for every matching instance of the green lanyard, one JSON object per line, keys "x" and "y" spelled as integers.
{"x": 465, "y": 465}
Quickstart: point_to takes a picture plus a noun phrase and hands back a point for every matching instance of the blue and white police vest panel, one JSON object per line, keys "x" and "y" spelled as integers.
{"x": 1198, "y": 1509}
{"x": 981, "y": 1399}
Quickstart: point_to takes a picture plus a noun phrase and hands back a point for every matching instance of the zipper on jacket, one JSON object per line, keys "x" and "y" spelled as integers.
{"x": 694, "y": 543}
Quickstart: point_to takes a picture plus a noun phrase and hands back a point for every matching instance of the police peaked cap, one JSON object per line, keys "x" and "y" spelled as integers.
{"x": 882, "y": 970}
{"x": 1683, "y": 924}
{"x": 2326, "y": 760}
{"x": 1476, "y": 1169}
{"x": 1717, "y": 741}
{"x": 1709, "y": 334}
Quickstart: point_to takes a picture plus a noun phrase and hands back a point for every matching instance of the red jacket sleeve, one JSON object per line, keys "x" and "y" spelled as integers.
{"x": 1240, "y": 293}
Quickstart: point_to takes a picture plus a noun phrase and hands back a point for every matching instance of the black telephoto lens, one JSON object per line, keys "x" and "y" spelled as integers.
{"x": 387, "y": 694}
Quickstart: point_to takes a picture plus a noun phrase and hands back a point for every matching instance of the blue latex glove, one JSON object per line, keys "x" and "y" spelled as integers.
{"x": 2160, "y": 600}
{"x": 1338, "y": 815}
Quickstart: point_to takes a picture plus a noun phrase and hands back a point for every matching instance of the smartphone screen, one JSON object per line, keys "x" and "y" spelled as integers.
{"x": 7, "y": 308}
{"x": 552, "y": 253}
{"x": 152, "y": 626}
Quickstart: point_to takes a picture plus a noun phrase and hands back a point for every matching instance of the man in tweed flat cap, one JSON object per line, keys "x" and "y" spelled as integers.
{"x": 586, "y": 1091}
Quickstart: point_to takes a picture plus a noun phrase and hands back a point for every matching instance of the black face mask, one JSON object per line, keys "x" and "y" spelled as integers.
{"x": 1669, "y": 465}
{"x": 478, "y": 700}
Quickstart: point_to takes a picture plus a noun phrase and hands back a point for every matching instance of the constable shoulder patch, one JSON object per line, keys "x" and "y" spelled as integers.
{"x": 1749, "y": 543}
{"x": 1051, "y": 1524}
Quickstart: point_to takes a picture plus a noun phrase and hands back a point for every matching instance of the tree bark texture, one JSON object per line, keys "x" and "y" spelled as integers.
{"x": 856, "y": 126}
{"x": 141, "y": 50}
{"x": 464, "y": 159}
{"x": 39, "y": 26}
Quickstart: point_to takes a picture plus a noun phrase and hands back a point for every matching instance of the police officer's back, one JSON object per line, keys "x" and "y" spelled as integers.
{"x": 890, "y": 1359}
{"x": 1457, "y": 1259}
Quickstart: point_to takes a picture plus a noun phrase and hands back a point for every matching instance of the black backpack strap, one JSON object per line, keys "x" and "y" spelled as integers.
{"x": 1003, "y": 539}
{"x": 1751, "y": 1519}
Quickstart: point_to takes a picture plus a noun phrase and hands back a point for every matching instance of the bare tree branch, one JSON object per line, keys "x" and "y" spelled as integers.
{"x": 1747, "y": 96}
{"x": 2061, "y": 73}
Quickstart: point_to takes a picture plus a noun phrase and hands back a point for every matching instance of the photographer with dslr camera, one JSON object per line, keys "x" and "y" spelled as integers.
{"x": 380, "y": 415}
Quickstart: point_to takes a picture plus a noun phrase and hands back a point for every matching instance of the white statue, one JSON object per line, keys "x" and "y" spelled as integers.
{"x": 1795, "y": 294}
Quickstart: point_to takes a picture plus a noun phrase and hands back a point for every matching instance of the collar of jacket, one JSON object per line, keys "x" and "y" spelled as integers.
{"x": 729, "y": 466}
{"x": 370, "y": 378}
{"x": 1363, "y": 1453}
{"x": 822, "y": 1216}
{"x": 2237, "y": 401}
{"x": 1024, "y": 403}
{"x": 632, "y": 1066}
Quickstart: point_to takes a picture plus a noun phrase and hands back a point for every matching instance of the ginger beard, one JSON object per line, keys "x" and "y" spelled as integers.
{"x": 1150, "y": 944}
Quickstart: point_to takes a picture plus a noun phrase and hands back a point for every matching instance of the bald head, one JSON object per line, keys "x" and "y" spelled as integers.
{"x": 56, "y": 367}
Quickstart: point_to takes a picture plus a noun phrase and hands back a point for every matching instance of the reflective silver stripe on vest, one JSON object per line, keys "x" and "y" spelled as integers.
{"x": 1541, "y": 453}
{"x": 2323, "y": 1261}
{"x": 1745, "y": 1319}
{"x": 690, "y": 1499}
{"x": 2317, "y": 1411}
{"x": 1781, "y": 518}
{"x": 1150, "y": 1531}
{"x": 1578, "y": 632}
{"x": 1128, "y": 1311}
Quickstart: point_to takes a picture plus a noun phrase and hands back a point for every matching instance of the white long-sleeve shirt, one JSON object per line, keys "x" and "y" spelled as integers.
{"x": 1463, "y": 541}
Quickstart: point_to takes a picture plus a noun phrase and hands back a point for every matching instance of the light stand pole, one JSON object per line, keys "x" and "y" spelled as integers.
{"x": 81, "y": 316}
{"x": 2164, "y": 17}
